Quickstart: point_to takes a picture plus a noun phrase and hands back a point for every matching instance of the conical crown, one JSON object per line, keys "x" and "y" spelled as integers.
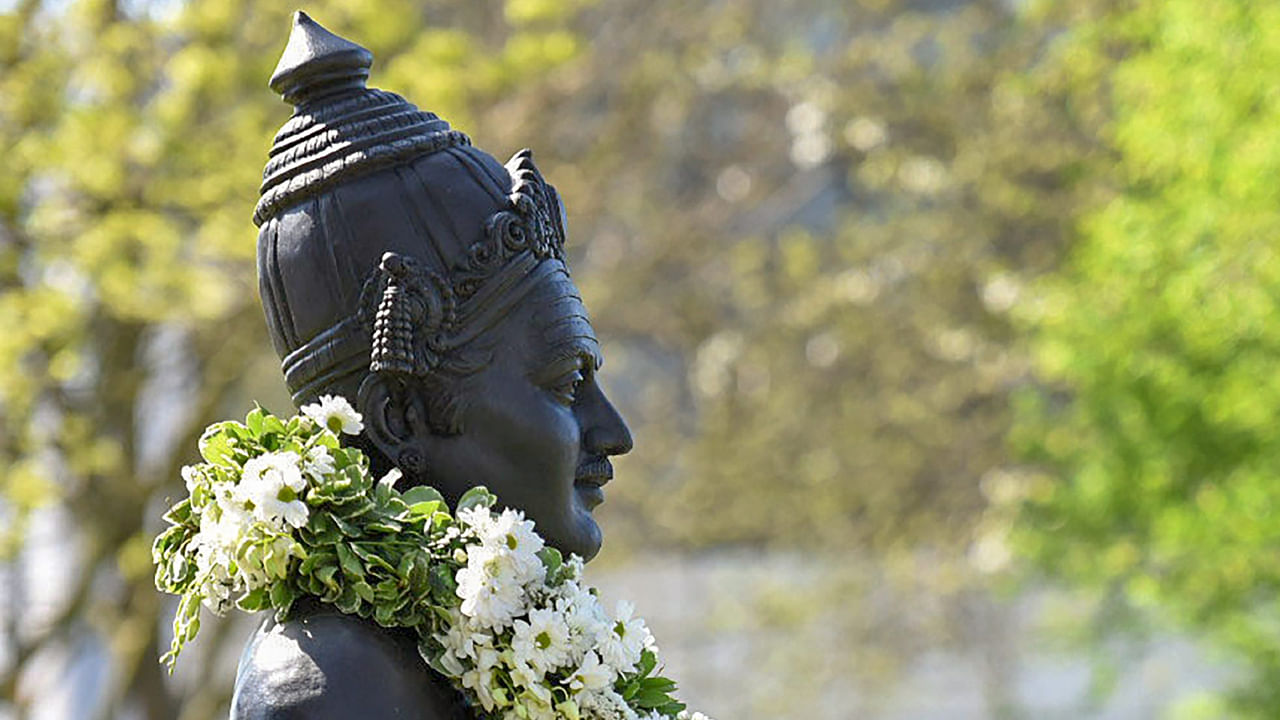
{"x": 316, "y": 62}
{"x": 340, "y": 129}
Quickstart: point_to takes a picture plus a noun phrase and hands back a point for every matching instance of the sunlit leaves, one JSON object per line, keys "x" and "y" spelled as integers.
{"x": 1163, "y": 334}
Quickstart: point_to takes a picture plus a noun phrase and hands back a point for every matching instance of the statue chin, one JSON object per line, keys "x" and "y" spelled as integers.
{"x": 588, "y": 540}
{"x": 410, "y": 272}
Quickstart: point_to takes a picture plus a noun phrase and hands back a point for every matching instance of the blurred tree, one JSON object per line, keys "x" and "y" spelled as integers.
{"x": 849, "y": 193}
{"x": 1157, "y": 343}
{"x": 800, "y": 226}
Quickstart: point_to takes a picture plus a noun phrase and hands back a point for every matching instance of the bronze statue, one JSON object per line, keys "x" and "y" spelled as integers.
{"x": 412, "y": 273}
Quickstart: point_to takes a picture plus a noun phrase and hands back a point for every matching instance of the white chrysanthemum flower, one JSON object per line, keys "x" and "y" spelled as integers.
{"x": 605, "y": 704}
{"x": 190, "y": 477}
{"x": 452, "y": 666}
{"x": 225, "y": 495}
{"x": 623, "y": 641}
{"x": 543, "y": 641}
{"x": 218, "y": 587}
{"x": 271, "y": 482}
{"x": 460, "y": 640}
{"x": 511, "y": 534}
{"x": 591, "y": 674}
{"x": 522, "y": 674}
{"x": 686, "y": 715}
{"x": 336, "y": 414}
{"x": 221, "y": 530}
{"x": 530, "y": 685}
{"x": 517, "y": 534}
{"x": 477, "y": 518}
{"x": 574, "y": 566}
{"x": 318, "y": 463}
{"x": 479, "y": 679}
{"x": 491, "y": 590}
{"x": 536, "y": 703}
{"x": 584, "y": 615}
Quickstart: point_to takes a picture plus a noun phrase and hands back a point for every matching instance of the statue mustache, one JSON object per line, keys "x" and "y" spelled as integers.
{"x": 596, "y": 469}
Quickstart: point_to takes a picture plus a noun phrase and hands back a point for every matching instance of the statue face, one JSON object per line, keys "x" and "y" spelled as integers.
{"x": 538, "y": 429}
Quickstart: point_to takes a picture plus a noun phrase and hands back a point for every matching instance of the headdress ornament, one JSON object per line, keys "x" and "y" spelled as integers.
{"x": 340, "y": 129}
{"x": 414, "y": 315}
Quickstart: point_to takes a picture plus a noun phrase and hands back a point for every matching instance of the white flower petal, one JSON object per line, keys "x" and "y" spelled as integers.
{"x": 336, "y": 414}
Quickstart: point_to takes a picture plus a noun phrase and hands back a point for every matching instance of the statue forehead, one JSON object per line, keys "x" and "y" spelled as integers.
{"x": 560, "y": 325}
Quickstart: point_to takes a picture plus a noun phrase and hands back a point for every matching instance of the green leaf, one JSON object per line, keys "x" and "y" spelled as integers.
{"x": 364, "y": 590}
{"x": 348, "y": 602}
{"x": 282, "y": 596}
{"x": 387, "y": 588}
{"x": 408, "y": 563}
{"x": 214, "y": 447}
{"x": 348, "y": 529}
{"x": 425, "y": 509}
{"x": 191, "y": 629}
{"x": 390, "y": 527}
{"x": 350, "y": 563}
{"x": 371, "y": 559}
{"x": 356, "y": 508}
{"x": 316, "y": 559}
{"x": 648, "y": 661}
{"x": 551, "y": 560}
{"x": 476, "y": 496}
{"x": 442, "y": 582}
{"x": 672, "y": 708}
{"x": 433, "y": 660}
{"x": 253, "y": 601}
{"x": 383, "y": 615}
{"x": 649, "y": 698}
{"x": 180, "y": 513}
{"x": 326, "y": 576}
{"x": 658, "y": 684}
{"x": 253, "y": 420}
{"x": 273, "y": 424}
{"x": 422, "y": 494}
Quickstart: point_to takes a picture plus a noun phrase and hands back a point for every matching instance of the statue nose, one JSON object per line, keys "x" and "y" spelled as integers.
{"x": 608, "y": 433}
{"x": 614, "y": 439}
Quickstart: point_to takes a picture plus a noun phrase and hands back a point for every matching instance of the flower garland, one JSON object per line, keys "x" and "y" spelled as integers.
{"x": 280, "y": 510}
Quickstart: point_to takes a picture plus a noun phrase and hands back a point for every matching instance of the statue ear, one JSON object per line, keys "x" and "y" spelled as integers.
{"x": 391, "y": 421}
{"x": 396, "y": 423}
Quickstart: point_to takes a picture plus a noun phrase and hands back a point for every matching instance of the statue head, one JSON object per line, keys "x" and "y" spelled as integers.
{"x": 413, "y": 274}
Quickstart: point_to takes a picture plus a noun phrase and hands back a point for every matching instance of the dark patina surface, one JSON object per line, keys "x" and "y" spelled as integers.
{"x": 409, "y": 271}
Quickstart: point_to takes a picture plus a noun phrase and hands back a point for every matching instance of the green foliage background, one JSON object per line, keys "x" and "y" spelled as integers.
{"x": 840, "y": 253}
{"x": 1157, "y": 343}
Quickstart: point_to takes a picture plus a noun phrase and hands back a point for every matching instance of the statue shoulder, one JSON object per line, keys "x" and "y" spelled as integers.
{"x": 324, "y": 665}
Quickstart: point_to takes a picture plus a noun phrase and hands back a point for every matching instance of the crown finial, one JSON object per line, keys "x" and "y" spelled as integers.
{"x": 317, "y": 63}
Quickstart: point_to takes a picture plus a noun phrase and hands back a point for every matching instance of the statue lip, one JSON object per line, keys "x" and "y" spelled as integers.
{"x": 596, "y": 471}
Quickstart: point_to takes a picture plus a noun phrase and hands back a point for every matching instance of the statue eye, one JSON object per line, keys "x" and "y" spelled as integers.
{"x": 565, "y": 388}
